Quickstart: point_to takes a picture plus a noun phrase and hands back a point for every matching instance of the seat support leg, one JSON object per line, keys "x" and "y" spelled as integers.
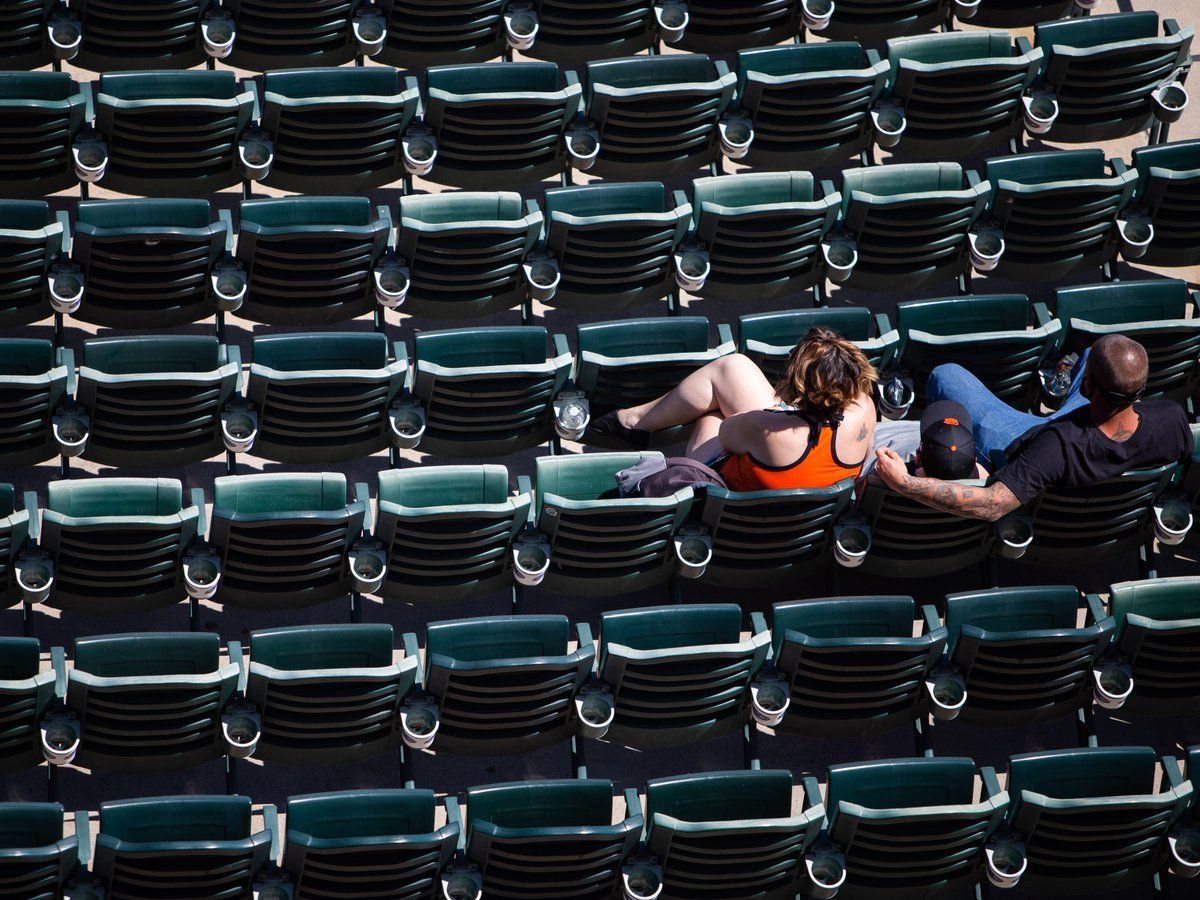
{"x": 26, "y": 620}
{"x": 193, "y": 612}
{"x": 673, "y": 307}
{"x": 965, "y": 282}
{"x": 750, "y": 757}
{"x": 406, "y": 768}
{"x": 64, "y": 467}
{"x": 356, "y": 607}
{"x": 1146, "y": 567}
{"x": 231, "y": 775}
{"x": 51, "y": 783}
{"x": 1085, "y": 726}
{"x": 518, "y": 599}
{"x": 230, "y": 462}
{"x": 58, "y": 329}
{"x": 380, "y": 320}
{"x": 820, "y": 298}
{"x": 922, "y": 732}
{"x": 988, "y": 573}
{"x": 675, "y": 591}
{"x": 220, "y": 326}
{"x": 578, "y": 758}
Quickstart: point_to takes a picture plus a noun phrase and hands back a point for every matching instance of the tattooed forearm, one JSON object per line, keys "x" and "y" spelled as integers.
{"x": 989, "y": 503}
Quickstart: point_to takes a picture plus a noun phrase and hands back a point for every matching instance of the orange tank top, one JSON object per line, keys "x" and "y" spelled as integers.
{"x": 817, "y": 467}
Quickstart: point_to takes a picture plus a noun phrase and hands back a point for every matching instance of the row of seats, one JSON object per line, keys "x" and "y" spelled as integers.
{"x": 665, "y": 676}
{"x": 602, "y": 247}
{"x": 111, "y": 35}
{"x": 1067, "y": 821}
{"x": 330, "y": 397}
{"x": 347, "y": 129}
{"x": 453, "y": 533}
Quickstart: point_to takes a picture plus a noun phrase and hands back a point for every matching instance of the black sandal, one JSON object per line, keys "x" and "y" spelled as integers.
{"x": 610, "y": 428}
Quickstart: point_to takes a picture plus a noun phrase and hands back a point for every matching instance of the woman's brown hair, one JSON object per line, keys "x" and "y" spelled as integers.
{"x": 825, "y": 374}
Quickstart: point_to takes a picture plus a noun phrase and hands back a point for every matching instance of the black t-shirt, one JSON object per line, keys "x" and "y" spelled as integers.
{"x": 1073, "y": 452}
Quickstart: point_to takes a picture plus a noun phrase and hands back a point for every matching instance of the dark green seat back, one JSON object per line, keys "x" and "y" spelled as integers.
{"x": 422, "y": 35}
{"x": 35, "y": 859}
{"x": 1169, "y": 189}
{"x": 25, "y": 698}
{"x": 715, "y": 26}
{"x": 574, "y": 32}
{"x": 147, "y": 34}
{"x": 274, "y": 35}
{"x": 43, "y": 113}
{"x": 1021, "y": 13}
{"x": 1158, "y": 631}
{"x": 33, "y": 384}
{"x": 23, "y": 40}
{"x": 768, "y": 338}
{"x": 30, "y": 241}
{"x": 877, "y": 20}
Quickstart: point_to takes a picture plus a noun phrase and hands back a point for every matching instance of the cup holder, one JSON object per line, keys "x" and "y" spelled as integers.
{"x": 769, "y": 700}
{"x": 693, "y": 551}
{"x": 35, "y": 577}
{"x": 462, "y": 883}
{"x": 947, "y": 695}
{"x": 1112, "y": 684}
{"x": 201, "y": 574}
{"x": 61, "y": 735}
{"x": 596, "y": 711}
{"x": 572, "y": 415}
{"x": 531, "y": 560}
{"x": 239, "y": 428}
{"x": 1170, "y": 100}
{"x": 1136, "y": 234}
{"x": 71, "y": 429}
{"x": 229, "y": 287}
{"x": 392, "y": 281}
{"x": 890, "y": 123}
{"x": 257, "y": 155}
{"x": 419, "y": 149}
{"x": 896, "y": 395}
{"x": 851, "y": 544}
{"x": 965, "y": 9}
{"x": 691, "y": 268}
{"x": 419, "y": 724}
{"x": 841, "y": 257}
{"x": 1006, "y": 863}
{"x": 370, "y": 33}
{"x": 218, "y": 33}
{"x": 83, "y": 890}
{"x": 583, "y": 145}
{"x": 1014, "y": 534}
{"x": 65, "y": 286}
{"x": 1172, "y": 521}
{"x": 986, "y": 247}
{"x": 241, "y": 726}
{"x": 1041, "y": 111}
{"x": 91, "y": 159}
{"x": 736, "y": 134}
{"x": 66, "y": 35}
{"x": 673, "y": 20}
{"x": 542, "y": 274}
{"x": 826, "y": 873}
{"x": 520, "y": 26}
{"x": 642, "y": 880}
{"x": 368, "y": 566}
{"x": 272, "y": 888}
{"x": 1185, "y": 853}
{"x": 406, "y": 424}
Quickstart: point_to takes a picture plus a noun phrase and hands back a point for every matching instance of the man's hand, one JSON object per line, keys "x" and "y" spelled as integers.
{"x": 891, "y": 468}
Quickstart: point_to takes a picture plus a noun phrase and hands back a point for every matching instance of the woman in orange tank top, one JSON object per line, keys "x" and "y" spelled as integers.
{"x": 812, "y": 429}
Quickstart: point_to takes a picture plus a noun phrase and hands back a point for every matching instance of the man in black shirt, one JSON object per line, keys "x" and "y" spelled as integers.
{"x": 1103, "y": 430}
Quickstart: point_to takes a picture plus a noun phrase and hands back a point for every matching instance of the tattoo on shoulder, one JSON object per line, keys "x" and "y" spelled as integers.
{"x": 862, "y": 433}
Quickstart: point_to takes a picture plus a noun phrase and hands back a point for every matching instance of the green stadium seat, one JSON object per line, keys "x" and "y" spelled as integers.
{"x": 323, "y": 397}
{"x": 35, "y": 380}
{"x": 337, "y": 130}
{"x": 1158, "y": 635}
{"x": 657, "y": 115}
{"x": 1154, "y": 313}
{"x": 173, "y": 133}
{"x": 191, "y": 846}
{"x": 913, "y": 828}
{"x": 156, "y": 400}
{"x": 36, "y": 858}
{"x": 26, "y": 694}
{"x": 506, "y": 685}
{"x": 985, "y": 332}
{"x": 278, "y": 34}
{"x": 119, "y": 35}
{"x": 500, "y": 123}
{"x": 768, "y": 338}
{"x": 421, "y": 34}
{"x": 1103, "y": 70}
{"x": 118, "y": 544}
{"x": 715, "y": 26}
{"x": 284, "y": 539}
{"x": 488, "y": 391}
{"x": 1058, "y": 212}
{"x": 1169, "y": 191}
{"x": 149, "y": 702}
{"x": 911, "y": 540}
{"x": 576, "y": 32}
{"x": 465, "y": 252}
{"x": 810, "y": 103}
{"x": 1022, "y": 656}
{"x": 542, "y": 840}
{"x": 614, "y": 244}
{"x": 852, "y": 665}
{"x": 1091, "y": 820}
{"x": 43, "y": 114}
{"x": 764, "y": 538}
{"x": 24, "y": 43}
{"x": 726, "y": 834}
{"x": 1073, "y": 527}
{"x": 909, "y": 223}
{"x": 633, "y": 361}
{"x": 311, "y": 260}
{"x": 871, "y": 21}
{"x": 601, "y": 547}
{"x": 14, "y": 531}
{"x": 148, "y": 261}
{"x": 763, "y": 234}
{"x": 960, "y": 89}
{"x": 373, "y": 844}
{"x": 327, "y": 694}
{"x": 679, "y": 675}
{"x": 448, "y": 532}
{"x": 1021, "y": 13}
{"x": 31, "y": 242}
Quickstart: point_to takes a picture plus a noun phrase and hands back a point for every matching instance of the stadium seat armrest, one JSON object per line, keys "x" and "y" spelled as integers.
{"x": 234, "y": 649}
{"x": 872, "y": 57}
{"x": 413, "y": 649}
{"x": 410, "y": 84}
{"x": 633, "y": 803}
{"x": 1170, "y": 27}
{"x": 571, "y": 77}
{"x": 973, "y": 179}
{"x": 89, "y": 100}
{"x": 827, "y": 187}
{"x": 531, "y": 208}
{"x": 58, "y": 662}
{"x": 83, "y": 836}
{"x": 725, "y": 333}
{"x": 383, "y": 214}
{"x": 812, "y": 791}
{"x": 758, "y": 623}
{"x": 561, "y": 347}
{"x": 454, "y": 817}
{"x": 226, "y": 216}
{"x": 271, "y": 823}
{"x": 251, "y": 87}
{"x": 1023, "y": 45}
{"x": 721, "y": 67}
{"x": 1041, "y": 314}
{"x": 680, "y": 198}
{"x": 930, "y": 615}
{"x": 64, "y": 219}
{"x": 1172, "y": 776}
{"x": 35, "y": 520}
{"x": 1118, "y": 165}
{"x": 235, "y": 357}
{"x": 991, "y": 784}
{"x": 1096, "y": 610}
{"x": 362, "y": 493}
{"x": 201, "y": 517}
{"x": 525, "y": 486}
{"x": 883, "y": 324}
{"x": 67, "y": 355}
{"x": 583, "y": 633}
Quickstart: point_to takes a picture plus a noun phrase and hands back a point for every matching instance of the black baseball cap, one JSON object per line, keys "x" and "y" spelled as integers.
{"x": 947, "y": 441}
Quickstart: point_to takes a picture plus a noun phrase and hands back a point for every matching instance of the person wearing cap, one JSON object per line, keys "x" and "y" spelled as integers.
{"x": 1102, "y": 430}
{"x": 941, "y": 445}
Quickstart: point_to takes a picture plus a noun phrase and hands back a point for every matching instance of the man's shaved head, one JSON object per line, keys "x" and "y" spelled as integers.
{"x": 1119, "y": 364}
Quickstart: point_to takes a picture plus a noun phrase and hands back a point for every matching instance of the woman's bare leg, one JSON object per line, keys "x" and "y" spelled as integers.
{"x": 729, "y": 385}
{"x": 703, "y": 443}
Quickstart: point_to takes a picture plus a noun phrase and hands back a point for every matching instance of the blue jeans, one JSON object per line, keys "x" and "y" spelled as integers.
{"x": 996, "y": 423}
